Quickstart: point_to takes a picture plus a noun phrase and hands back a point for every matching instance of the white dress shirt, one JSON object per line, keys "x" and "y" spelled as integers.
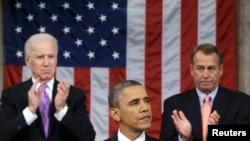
{"x": 31, "y": 117}
{"x": 122, "y": 137}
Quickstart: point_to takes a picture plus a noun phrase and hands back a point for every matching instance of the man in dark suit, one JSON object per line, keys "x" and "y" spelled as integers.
{"x": 182, "y": 119}
{"x": 20, "y": 117}
{"x": 129, "y": 105}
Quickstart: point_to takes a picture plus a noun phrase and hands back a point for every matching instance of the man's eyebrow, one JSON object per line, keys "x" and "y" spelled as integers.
{"x": 133, "y": 100}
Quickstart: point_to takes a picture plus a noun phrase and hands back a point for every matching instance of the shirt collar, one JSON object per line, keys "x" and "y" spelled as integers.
{"x": 122, "y": 137}
{"x": 202, "y": 95}
{"x": 50, "y": 84}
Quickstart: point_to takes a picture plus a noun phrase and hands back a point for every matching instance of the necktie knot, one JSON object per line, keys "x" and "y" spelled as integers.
{"x": 43, "y": 86}
{"x": 207, "y": 99}
{"x": 44, "y": 96}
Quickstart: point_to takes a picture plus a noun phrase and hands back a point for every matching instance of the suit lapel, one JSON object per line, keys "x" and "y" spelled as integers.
{"x": 26, "y": 86}
{"x": 218, "y": 100}
{"x": 113, "y": 138}
{"x": 193, "y": 113}
{"x": 149, "y": 138}
{"x": 53, "y": 109}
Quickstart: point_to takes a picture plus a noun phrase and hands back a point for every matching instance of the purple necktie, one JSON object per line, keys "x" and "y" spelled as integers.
{"x": 44, "y": 109}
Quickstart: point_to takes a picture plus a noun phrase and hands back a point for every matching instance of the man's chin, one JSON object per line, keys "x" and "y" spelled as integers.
{"x": 206, "y": 89}
{"x": 145, "y": 126}
{"x": 45, "y": 78}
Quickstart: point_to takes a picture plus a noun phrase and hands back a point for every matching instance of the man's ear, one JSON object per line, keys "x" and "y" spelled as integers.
{"x": 114, "y": 113}
{"x": 191, "y": 69}
{"x": 27, "y": 58}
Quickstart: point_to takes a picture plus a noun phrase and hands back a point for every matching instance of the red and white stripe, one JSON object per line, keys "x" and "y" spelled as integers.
{"x": 160, "y": 37}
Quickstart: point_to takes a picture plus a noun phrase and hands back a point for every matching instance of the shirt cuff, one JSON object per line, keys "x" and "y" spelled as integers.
{"x": 29, "y": 116}
{"x": 59, "y": 115}
{"x": 180, "y": 139}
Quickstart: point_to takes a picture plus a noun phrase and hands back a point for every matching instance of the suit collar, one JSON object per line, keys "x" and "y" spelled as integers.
{"x": 192, "y": 111}
{"x": 221, "y": 97}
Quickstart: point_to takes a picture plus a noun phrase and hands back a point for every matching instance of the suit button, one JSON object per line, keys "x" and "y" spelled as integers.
{"x": 19, "y": 127}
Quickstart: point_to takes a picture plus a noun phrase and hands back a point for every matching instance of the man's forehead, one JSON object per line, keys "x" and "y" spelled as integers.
{"x": 137, "y": 93}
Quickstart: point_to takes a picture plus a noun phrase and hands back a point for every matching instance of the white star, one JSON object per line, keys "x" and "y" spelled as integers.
{"x": 115, "y": 55}
{"x": 91, "y": 55}
{"x": 30, "y": 17}
{"x": 66, "y": 30}
{"x": 65, "y": 5}
{"x": 114, "y": 6}
{"x": 90, "y": 5}
{"x": 18, "y": 5}
{"x": 78, "y": 18}
{"x": 66, "y": 54}
{"x": 19, "y": 53}
{"x": 54, "y": 17}
{"x": 78, "y": 42}
{"x": 103, "y": 42}
{"x": 115, "y": 30}
{"x": 18, "y": 29}
{"x": 42, "y": 29}
{"x": 103, "y": 18}
{"x": 91, "y": 30}
{"x": 42, "y": 5}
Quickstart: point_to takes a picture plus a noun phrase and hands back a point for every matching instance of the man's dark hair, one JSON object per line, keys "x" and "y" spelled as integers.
{"x": 207, "y": 48}
{"x": 115, "y": 92}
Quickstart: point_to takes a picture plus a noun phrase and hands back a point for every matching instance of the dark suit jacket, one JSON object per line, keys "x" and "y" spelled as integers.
{"x": 232, "y": 106}
{"x": 115, "y": 138}
{"x": 75, "y": 126}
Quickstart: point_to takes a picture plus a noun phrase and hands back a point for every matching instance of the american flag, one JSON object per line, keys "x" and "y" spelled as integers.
{"x": 102, "y": 42}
